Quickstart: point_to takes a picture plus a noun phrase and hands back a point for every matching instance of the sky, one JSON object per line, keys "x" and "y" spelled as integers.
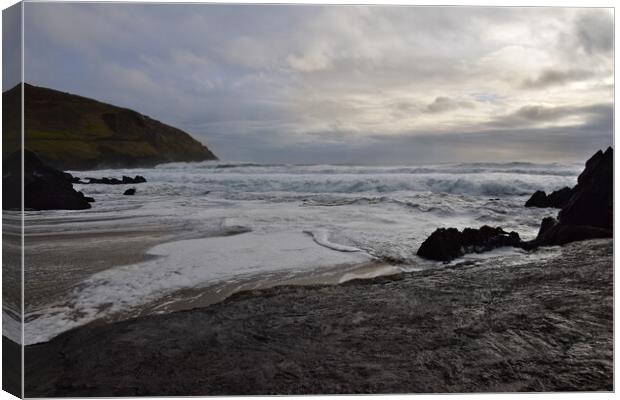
{"x": 342, "y": 84}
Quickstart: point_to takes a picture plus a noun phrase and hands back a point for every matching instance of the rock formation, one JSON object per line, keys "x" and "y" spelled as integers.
{"x": 586, "y": 213}
{"x": 45, "y": 188}
{"x": 125, "y": 180}
{"x": 557, "y": 199}
{"x": 448, "y": 244}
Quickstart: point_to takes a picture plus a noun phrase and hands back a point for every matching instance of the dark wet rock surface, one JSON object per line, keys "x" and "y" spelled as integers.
{"x": 589, "y": 212}
{"x": 542, "y": 326}
{"x": 556, "y": 199}
{"x": 448, "y": 244}
{"x": 130, "y": 192}
{"x": 113, "y": 181}
{"x": 592, "y": 202}
{"x": 45, "y": 188}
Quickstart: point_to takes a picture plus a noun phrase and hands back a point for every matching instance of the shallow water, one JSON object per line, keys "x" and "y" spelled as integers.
{"x": 204, "y": 227}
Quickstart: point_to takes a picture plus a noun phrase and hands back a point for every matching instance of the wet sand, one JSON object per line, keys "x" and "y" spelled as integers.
{"x": 540, "y": 326}
{"x": 72, "y": 248}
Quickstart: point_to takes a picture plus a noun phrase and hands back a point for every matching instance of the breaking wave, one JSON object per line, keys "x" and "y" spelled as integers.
{"x": 243, "y": 179}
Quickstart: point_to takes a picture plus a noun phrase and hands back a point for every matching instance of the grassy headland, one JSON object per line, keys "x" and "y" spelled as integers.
{"x": 74, "y": 132}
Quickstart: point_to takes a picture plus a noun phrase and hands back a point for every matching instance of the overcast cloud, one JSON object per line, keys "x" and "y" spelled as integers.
{"x": 342, "y": 84}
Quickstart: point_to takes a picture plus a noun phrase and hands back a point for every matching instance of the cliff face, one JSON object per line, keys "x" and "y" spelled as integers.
{"x": 74, "y": 132}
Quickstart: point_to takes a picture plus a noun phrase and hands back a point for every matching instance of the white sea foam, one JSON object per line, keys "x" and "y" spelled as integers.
{"x": 180, "y": 265}
{"x": 321, "y": 237}
{"x": 476, "y": 179}
{"x": 351, "y": 214}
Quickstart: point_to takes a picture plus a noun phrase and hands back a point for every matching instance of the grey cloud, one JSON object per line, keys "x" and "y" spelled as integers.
{"x": 595, "y": 31}
{"x": 334, "y": 84}
{"x": 11, "y": 47}
{"x": 574, "y": 143}
{"x": 555, "y": 77}
{"x": 443, "y": 104}
{"x": 534, "y": 114}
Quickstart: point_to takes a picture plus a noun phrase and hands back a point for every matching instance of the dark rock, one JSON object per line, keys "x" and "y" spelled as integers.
{"x": 560, "y": 234}
{"x": 72, "y": 179}
{"x": 45, "y": 188}
{"x": 87, "y": 198}
{"x": 546, "y": 224}
{"x": 557, "y": 199}
{"x": 448, "y": 244}
{"x": 592, "y": 201}
{"x": 538, "y": 199}
{"x": 114, "y": 181}
{"x": 588, "y": 214}
{"x": 442, "y": 245}
{"x": 130, "y": 192}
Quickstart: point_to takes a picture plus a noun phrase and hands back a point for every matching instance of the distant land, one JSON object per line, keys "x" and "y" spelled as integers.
{"x": 72, "y": 132}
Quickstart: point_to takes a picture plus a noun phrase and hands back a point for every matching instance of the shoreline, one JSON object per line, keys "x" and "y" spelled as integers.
{"x": 461, "y": 328}
{"x": 183, "y": 296}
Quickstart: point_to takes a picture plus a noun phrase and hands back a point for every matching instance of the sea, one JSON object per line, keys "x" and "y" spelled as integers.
{"x": 245, "y": 226}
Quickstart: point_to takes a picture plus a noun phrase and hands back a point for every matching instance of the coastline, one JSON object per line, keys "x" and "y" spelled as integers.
{"x": 541, "y": 326}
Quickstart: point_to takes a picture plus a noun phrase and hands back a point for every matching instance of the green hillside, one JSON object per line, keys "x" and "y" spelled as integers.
{"x": 74, "y": 132}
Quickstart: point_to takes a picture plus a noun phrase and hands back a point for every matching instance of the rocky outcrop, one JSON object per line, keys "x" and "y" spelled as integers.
{"x": 592, "y": 202}
{"x": 125, "y": 180}
{"x": 556, "y": 199}
{"x": 588, "y": 214}
{"x": 130, "y": 192}
{"x": 137, "y": 179}
{"x": 538, "y": 199}
{"x": 448, "y": 244}
{"x": 45, "y": 188}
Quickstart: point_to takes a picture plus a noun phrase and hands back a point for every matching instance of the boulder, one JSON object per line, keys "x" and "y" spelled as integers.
{"x": 448, "y": 244}
{"x": 130, "y": 192}
{"x": 442, "y": 245}
{"x": 45, "y": 188}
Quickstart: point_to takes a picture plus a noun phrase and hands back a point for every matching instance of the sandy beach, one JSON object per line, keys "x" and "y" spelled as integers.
{"x": 541, "y": 326}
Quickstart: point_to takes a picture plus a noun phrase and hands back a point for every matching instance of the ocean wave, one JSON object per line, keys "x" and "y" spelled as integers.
{"x": 383, "y": 185}
{"x": 240, "y": 180}
{"x": 321, "y": 237}
{"x": 242, "y": 186}
{"x": 464, "y": 168}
